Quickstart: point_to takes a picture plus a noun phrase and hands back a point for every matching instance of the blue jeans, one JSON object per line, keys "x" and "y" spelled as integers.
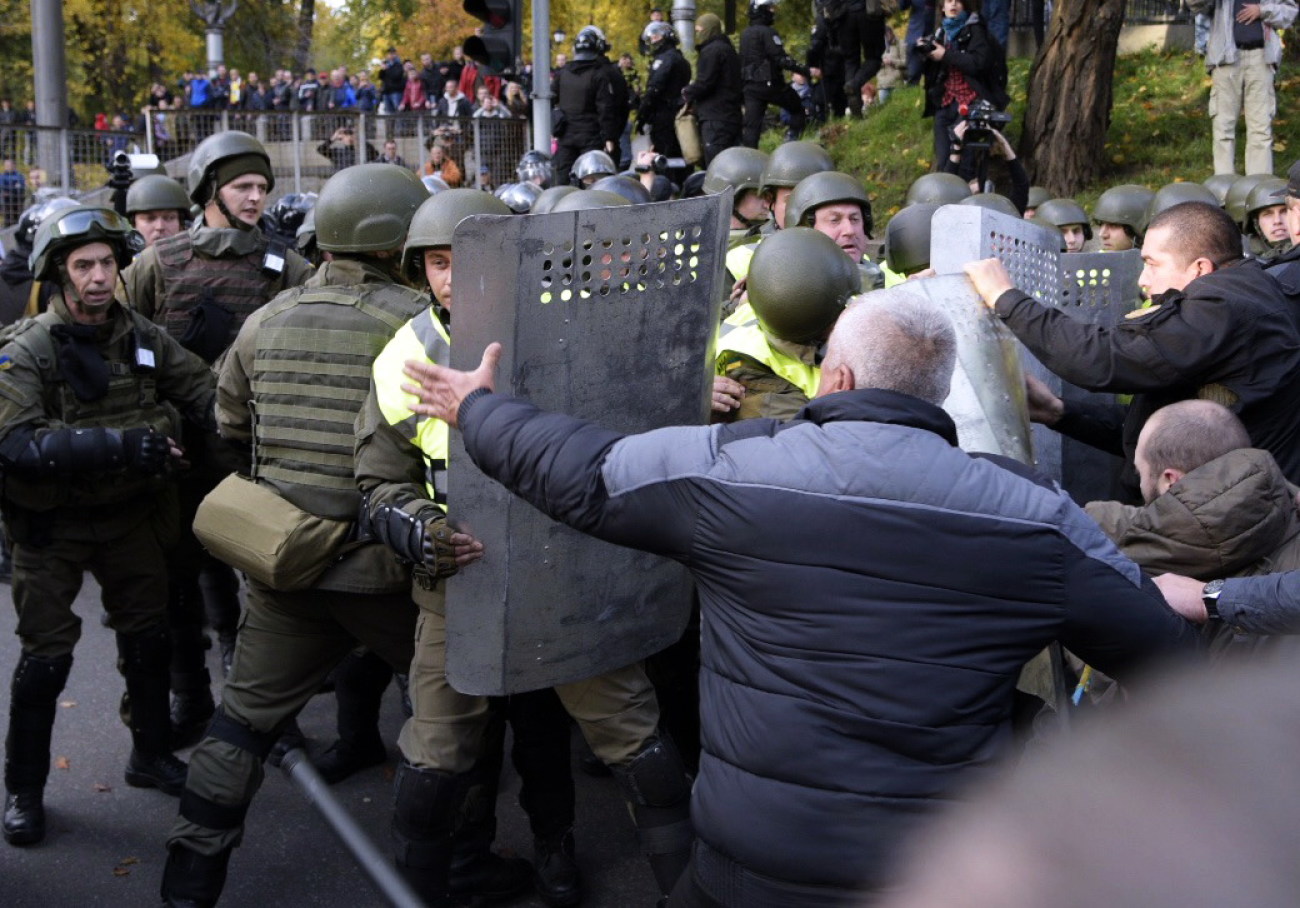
{"x": 919, "y": 22}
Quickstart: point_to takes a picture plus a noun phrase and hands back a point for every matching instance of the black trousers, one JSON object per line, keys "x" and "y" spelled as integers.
{"x": 862, "y": 42}
{"x": 757, "y": 96}
{"x": 717, "y": 136}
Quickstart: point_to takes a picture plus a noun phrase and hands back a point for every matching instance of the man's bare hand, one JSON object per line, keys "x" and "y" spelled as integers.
{"x": 738, "y": 290}
{"x": 177, "y": 454}
{"x": 440, "y": 390}
{"x": 990, "y": 279}
{"x": 1249, "y": 13}
{"x": 727, "y": 394}
{"x": 1044, "y": 406}
{"x": 466, "y": 548}
{"x": 1184, "y": 596}
{"x": 923, "y": 274}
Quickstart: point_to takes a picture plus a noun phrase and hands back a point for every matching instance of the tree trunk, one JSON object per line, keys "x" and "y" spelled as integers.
{"x": 1070, "y": 96}
{"x": 306, "y": 20}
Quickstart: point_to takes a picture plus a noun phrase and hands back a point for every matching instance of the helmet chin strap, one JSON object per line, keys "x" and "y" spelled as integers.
{"x": 225, "y": 212}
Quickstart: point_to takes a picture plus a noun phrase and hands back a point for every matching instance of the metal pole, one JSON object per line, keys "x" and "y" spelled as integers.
{"x": 377, "y": 865}
{"x": 684, "y": 23}
{"x": 295, "y": 130}
{"x": 478, "y": 153}
{"x": 216, "y": 48}
{"x": 51, "y": 79}
{"x": 542, "y": 76}
{"x": 148, "y": 130}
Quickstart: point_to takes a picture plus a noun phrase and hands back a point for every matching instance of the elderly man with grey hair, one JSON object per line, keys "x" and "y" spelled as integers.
{"x": 868, "y": 594}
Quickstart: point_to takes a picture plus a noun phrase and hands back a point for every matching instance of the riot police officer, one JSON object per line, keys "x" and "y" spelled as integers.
{"x": 401, "y": 463}
{"x": 1265, "y": 222}
{"x": 799, "y": 282}
{"x": 662, "y": 98}
{"x": 1120, "y": 215}
{"x": 835, "y": 204}
{"x": 789, "y": 163}
{"x": 763, "y": 59}
{"x": 303, "y": 362}
{"x": 88, "y": 399}
{"x": 1069, "y": 219}
{"x": 591, "y": 103}
{"x": 716, "y": 92}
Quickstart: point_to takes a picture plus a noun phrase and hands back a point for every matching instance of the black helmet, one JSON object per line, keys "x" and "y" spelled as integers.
{"x": 519, "y": 196}
{"x": 71, "y": 228}
{"x": 589, "y": 44}
{"x": 693, "y": 186}
{"x": 763, "y": 11}
{"x": 799, "y": 282}
{"x": 663, "y": 31}
{"x": 289, "y": 211}
{"x": 535, "y": 166}
{"x": 907, "y": 238}
{"x": 632, "y": 190}
{"x": 31, "y": 219}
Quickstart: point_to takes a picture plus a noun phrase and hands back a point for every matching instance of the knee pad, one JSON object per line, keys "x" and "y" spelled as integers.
{"x": 655, "y": 776}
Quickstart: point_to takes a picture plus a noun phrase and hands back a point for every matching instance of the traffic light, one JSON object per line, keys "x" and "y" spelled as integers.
{"x": 497, "y": 48}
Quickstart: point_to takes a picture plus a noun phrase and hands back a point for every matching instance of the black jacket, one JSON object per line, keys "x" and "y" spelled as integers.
{"x": 593, "y": 101}
{"x": 973, "y": 55}
{"x": 716, "y": 90}
{"x": 763, "y": 57}
{"x": 1230, "y": 336}
{"x": 392, "y": 78}
{"x": 662, "y": 98}
{"x": 855, "y": 670}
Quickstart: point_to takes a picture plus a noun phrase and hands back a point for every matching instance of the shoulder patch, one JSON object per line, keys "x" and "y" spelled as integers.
{"x": 657, "y": 64}
{"x": 1145, "y": 311}
{"x": 776, "y": 39}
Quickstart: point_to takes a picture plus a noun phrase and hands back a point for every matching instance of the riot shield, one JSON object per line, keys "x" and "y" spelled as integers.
{"x": 964, "y": 233}
{"x": 609, "y": 315}
{"x": 987, "y": 400}
{"x": 1099, "y": 288}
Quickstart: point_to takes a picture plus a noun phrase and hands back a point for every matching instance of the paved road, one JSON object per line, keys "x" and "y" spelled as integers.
{"x": 105, "y": 841}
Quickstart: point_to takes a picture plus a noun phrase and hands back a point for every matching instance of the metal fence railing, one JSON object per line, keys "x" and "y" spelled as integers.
{"x": 305, "y": 148}
{"x": 1136, "y": 12}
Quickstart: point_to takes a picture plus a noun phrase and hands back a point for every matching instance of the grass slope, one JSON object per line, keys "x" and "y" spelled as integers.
{"x": 1159, "y": 132}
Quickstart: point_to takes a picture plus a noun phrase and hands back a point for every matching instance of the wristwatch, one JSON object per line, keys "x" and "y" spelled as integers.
{"x": 1210, "y": 596}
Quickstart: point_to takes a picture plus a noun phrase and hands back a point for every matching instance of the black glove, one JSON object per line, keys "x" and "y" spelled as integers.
{"x": 145, "y": 450}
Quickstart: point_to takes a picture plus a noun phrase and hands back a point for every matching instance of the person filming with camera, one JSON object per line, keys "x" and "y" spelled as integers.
{"x": 961, "y": 63}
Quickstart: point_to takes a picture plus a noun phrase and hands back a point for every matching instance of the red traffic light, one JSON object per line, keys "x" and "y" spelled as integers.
{"x": 496, "y": 13}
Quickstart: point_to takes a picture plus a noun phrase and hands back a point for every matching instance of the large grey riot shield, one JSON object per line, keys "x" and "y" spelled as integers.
{"x": 609, "y": 315}
{"x": 987, "y": 400}
{"x": 1095, "y": 287}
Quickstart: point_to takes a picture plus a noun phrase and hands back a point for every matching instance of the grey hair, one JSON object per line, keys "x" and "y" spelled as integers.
{"x": 895, "y": 340}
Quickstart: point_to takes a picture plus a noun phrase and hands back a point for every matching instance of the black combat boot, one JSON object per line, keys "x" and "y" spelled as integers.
{"x": 359, "y": 684}
{"x": 192, "y": 708}
{"x": 143, "y": 659}
{"x": 541, "y": 755}
{"x": 556, "y": 870}
{"x": 36, "y": 685}
{"x": 477, "y": 872}
{"x": 426, "y": 803}
{"x": 193, "y": 880}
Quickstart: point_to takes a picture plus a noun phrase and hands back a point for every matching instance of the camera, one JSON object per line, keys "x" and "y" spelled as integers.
{"x": 983, "y": 119}
{"x": 659, "y": 164}
{"x": 926, "y": 45}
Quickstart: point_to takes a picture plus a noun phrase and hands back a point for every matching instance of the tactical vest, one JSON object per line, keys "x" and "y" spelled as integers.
{"x": 742, "y": 335}
{"x": 131, "y": 402}
{"x": 238, "y": 284}
{"x": 310, "y": 376}
{"x": 422, "y": 338}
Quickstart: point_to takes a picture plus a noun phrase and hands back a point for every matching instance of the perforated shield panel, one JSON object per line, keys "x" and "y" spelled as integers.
{"x": 609, "y": 315}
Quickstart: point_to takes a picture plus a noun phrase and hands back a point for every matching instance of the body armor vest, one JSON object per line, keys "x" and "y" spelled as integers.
{"x": 237, "y": 284}
{"x": 310, "y": 376}
{"x": 131, "y": 402}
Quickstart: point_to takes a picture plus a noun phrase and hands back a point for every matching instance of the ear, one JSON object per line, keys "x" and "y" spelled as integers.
{"x": 836, "y": 378}
{"x": 1168, "y": 476}
{"x": 1203, "y": 266}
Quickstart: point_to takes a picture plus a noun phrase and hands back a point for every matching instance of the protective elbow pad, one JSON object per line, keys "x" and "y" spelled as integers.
{"x": 399, "y": 531}
{"x": 63, "y": 451}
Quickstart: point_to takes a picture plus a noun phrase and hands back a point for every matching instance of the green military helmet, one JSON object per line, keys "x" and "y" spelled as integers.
{"x": 157, "y": 193}
{"x": 1219, "y": 184}
{"x": 1037, "y": 196}
{"x": 826, "y": 189}
{"x": 1266, "y": 193}
{"x": 791, "y": 162}
{"x": 549, "y": 198}
{"x": 993, "y": 202}
{"x": 1126, "y": 205}
{"x": 589, "y": 199}
{"x": 1235, "y": 201}
{"x": 799, "y": 281}
{"x": 435, "y": 221}
{"x": 367, "y": 208}
{"x": 72, "y": 228}
{"x": 1059, "y": 213}
{"x": 907, "y": 238}
{"x": 739, "y": 168}
{"x": 942, "y": 188}
{"x": 1175, "y": 194}
{"x": 222, "y": 157}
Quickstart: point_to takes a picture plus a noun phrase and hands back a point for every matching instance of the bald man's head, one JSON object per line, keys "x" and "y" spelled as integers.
{"x": 1181, "y": 437}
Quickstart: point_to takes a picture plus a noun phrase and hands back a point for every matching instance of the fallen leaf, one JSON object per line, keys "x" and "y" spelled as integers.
{"x": 121, "y": 871}
{"x": 128, "y": 861}
{"x": 62, "y": 763}
{"x": 101, "y": 787}
{"x": 67, "y": 704}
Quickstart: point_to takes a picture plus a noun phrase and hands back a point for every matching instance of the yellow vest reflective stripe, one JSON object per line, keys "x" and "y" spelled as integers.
{"x": 738, "y": 259}
{"x": 892, "y": 278}
{"x": 421, "y": 339}
{"x": 741, "y": 333}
